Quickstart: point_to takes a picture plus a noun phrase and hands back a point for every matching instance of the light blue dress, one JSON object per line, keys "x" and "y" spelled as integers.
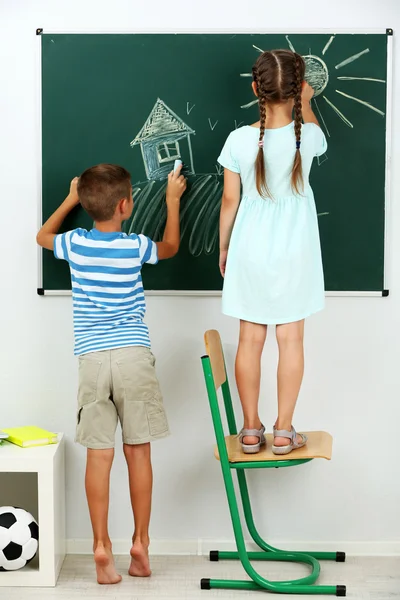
{"x": 274, "y": 271}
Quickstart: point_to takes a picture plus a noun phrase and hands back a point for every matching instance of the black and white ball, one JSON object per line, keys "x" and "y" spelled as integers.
{"x": 19, "y": 538}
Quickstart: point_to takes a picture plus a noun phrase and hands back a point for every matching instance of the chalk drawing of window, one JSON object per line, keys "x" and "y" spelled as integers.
{"x": 168, "y": 151}
{"x": 163, "y": 139}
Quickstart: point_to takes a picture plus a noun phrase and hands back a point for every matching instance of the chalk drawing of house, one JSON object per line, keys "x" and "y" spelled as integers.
{"x": 163, "y": 139}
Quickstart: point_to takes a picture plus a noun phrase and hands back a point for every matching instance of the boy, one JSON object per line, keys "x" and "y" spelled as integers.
{"x": 117, "y": 377}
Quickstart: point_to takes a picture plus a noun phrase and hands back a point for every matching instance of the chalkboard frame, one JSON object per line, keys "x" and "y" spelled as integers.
{"x": 217, "y": 293}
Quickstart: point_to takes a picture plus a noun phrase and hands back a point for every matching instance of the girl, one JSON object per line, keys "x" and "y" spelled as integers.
{"x": 270, "y": 251}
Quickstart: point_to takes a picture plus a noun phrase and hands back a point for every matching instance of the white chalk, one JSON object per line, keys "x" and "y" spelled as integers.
{"x": 177, "y": 164}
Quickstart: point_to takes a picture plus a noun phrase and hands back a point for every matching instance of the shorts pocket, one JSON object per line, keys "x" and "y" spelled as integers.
{"x": 156, "y": 417}
{"x": 138, "y": 376}
{"x": 89, "y": 370}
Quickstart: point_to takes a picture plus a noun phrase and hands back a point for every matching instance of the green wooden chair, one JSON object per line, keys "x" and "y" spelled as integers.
{"x": 229, "y": 453}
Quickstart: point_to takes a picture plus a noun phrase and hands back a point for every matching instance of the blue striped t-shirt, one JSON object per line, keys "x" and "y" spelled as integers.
{"x": 107, "y": 289}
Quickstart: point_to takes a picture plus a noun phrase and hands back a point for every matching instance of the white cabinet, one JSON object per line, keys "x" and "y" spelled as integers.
{"x": 34, "y": 479}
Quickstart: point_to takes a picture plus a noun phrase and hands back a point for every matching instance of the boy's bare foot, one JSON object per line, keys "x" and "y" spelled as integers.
{"x": 140, "y": 564}
{"x": 105, "y": 567}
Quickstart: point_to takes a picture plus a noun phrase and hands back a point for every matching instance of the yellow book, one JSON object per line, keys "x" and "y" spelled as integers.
{"x": 30, "y": 436}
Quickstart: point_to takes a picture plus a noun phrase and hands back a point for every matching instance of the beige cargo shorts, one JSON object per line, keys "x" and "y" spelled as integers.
{"x": 119, "y": 384}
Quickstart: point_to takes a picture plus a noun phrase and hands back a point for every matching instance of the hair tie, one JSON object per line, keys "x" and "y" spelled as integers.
{"x": 298, "y": 145}
{"x": 261, "y": 144}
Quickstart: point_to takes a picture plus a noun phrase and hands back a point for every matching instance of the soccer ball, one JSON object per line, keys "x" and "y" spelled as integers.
{"x": 19, "y": 535}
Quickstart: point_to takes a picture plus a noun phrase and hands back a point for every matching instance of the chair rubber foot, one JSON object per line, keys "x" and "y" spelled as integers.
{"x": 340, "y": 556}
{"x": 206, "y": 585}
{"x": 340, "y": 590}
{"x": 214, "y": 555}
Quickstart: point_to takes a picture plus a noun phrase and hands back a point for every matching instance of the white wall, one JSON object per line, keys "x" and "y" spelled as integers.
{"x": 352, "y": 383}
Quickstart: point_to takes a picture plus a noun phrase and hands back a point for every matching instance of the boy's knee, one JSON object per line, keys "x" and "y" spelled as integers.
{"x": 131, "y": 450}
{"x": 100, "y": 453}
{"x": 100, "y": 459}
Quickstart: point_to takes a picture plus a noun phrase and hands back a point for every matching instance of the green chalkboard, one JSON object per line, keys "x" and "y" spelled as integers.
{"x": 141, "y": 100}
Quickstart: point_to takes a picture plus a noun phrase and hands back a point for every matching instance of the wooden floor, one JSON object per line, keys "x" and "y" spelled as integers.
{"x": 177, "y": 577}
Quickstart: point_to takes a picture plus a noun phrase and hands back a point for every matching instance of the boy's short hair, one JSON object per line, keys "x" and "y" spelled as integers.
{"x": 101, "y": 187}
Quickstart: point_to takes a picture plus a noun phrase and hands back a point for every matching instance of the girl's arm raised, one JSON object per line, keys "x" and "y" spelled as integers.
{"x": 307, "y": 112}
{"x": 306, "y": 95}
{"x": 229, "y": 208}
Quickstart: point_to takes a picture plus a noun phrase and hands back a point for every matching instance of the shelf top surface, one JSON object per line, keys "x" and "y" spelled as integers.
{"x": 12, "y": 455}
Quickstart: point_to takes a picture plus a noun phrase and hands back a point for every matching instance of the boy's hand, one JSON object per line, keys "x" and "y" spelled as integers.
{"x": 176, "y": 186}
{"x": 72, "y": 197}
{"x": 171, "y": 239}
{"x": 307, "y": 92}
{"x": 49, "y": 230}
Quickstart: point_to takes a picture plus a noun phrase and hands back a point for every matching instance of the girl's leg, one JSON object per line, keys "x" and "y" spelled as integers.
{"x": 290, "y": 374}
{"x": 248, "y": 373}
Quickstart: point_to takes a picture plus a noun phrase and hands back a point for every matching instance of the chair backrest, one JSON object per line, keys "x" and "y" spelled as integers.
{"x": 214, "y": 350}
{"x": 215, "y": 378}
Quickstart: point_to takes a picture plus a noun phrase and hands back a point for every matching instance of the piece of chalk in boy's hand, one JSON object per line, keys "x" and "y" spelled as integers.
{"x": 177, "y": 164}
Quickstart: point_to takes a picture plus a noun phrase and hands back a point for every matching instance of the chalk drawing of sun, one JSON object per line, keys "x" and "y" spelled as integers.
{"x": 317, "y": 75}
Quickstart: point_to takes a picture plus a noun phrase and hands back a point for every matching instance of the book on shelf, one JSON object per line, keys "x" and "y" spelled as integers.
{"x": 30, "y": 436}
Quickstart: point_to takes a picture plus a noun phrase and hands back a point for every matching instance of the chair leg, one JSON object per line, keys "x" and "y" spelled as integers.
{"x": 298, "y": 586}
{"x": 261, "y": 543}
{"x": 216, "y": 555}
{"x": 210, "y": 584}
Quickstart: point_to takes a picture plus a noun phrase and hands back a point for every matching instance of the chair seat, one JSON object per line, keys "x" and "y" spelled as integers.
{"x": 319, "y": 445}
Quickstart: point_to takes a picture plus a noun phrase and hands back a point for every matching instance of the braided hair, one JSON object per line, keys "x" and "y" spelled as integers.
{"x": 297, "y": 171}
{"x": 278, "y": 77}
{"x": 261, "y": 176}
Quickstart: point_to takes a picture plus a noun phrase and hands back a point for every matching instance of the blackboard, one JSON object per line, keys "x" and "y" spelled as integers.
{"x": 105, "y": 97}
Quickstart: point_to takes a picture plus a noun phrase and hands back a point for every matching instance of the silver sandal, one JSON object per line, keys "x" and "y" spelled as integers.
{"x": 253, "y": 448}
{"x": 292, "y": 435}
